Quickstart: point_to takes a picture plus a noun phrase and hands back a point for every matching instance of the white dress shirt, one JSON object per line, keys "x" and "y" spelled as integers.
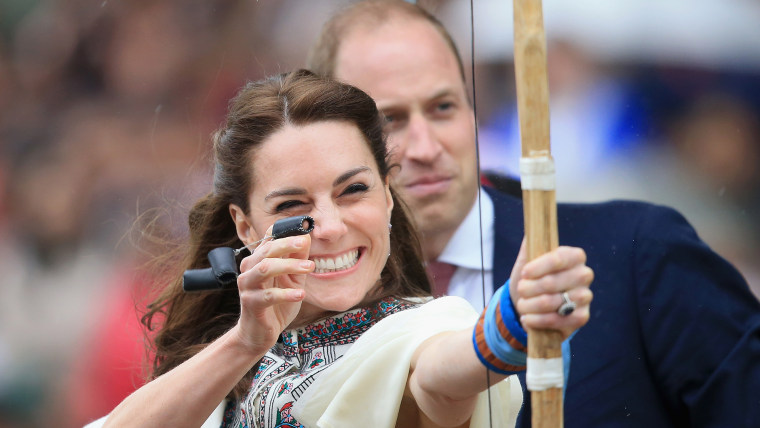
{"x": 465, "y": 249}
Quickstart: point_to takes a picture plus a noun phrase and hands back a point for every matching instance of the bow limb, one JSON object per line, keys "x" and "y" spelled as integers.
{"x": 539, "y": 199}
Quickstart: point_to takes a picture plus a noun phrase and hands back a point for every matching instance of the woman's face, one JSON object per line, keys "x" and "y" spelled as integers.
{"x": 327, "y": 171}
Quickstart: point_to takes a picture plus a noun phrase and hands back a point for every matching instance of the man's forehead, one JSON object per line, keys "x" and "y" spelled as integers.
{"x": 394, "y": 37}
{"x": 395, "y": 62}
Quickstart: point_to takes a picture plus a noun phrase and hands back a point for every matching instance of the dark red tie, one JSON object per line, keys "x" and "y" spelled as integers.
{"x": 440, "y": 273}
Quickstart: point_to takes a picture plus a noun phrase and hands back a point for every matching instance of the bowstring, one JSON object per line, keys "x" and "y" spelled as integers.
{"x": 478, "y": 172}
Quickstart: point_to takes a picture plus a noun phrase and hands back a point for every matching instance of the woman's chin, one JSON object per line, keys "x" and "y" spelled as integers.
{"x": 341, "y": 305}
{"x": 311, "y": 312}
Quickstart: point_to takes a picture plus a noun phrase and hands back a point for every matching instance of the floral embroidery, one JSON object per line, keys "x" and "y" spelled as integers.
{"x": 317, "y": 360}
{"x": 285, "y": 419}
{"x": 285, "y": 387}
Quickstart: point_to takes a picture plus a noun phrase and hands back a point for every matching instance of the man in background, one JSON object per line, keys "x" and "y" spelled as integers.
{"x": 674, "y": 334}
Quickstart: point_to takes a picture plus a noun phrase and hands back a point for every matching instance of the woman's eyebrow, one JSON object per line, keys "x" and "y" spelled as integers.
{"x": 297, "y": 191}
{"x": 350, "y": 173}
{"x": 291, "y": 191}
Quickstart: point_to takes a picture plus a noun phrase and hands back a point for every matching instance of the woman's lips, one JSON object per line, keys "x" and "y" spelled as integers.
{"x": 338, "y": 263}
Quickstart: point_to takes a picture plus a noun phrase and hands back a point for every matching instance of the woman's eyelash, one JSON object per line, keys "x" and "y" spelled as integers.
{"x": 288, "y": 204}
{"x": 350, "y": 189}
{"x": 356, "y": 187}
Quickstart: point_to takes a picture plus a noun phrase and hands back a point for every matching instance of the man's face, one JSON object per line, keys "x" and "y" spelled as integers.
{"x": 409, "y": 70}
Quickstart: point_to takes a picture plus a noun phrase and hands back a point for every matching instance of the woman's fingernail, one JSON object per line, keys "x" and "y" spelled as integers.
{"x": 307, "y": 264}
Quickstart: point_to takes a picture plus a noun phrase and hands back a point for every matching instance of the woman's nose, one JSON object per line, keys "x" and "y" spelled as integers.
{"x": 328, "y": 223}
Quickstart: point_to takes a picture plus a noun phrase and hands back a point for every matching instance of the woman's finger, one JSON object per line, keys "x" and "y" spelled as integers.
{"x": 269, "y": 268}
{"x": 522, "y": 259}
{"x": 255, "y": 252}
{"x": 577, "y": 276}
{"x": 554, "y": 261}
{"x": 514, "y": 277}
{"x": 264, "y": 298}
{"x": 554, "y": 321}
{"x": 290, "y": 247}
{"x": 550, "y": 303}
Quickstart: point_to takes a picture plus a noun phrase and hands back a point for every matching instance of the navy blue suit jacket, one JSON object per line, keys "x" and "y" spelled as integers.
{"x": 674, "y": 334}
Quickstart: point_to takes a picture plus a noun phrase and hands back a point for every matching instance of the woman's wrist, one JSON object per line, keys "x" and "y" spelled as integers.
{"x": 237, "y": 339}
{"x": 498, "y": 339}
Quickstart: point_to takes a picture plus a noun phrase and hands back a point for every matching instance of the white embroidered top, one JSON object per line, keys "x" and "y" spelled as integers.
{"x": 353, "y": 367}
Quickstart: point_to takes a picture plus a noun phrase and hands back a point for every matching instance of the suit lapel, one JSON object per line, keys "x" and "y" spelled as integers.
{"x": 508, "y": 233}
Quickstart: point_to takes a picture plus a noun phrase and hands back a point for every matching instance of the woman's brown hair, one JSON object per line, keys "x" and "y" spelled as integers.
{"x": 187, "y": 322}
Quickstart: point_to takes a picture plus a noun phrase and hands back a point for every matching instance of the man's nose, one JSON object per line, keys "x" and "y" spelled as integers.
{"x": 422, "y": 145}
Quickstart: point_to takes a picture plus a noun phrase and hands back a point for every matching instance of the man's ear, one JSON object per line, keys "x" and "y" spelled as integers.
{"x": 245, "y": 230}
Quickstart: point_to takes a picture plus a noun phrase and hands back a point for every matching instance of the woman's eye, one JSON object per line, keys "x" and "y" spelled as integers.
{"x": 288, "y": 204}
{"x": 356, "y": 188}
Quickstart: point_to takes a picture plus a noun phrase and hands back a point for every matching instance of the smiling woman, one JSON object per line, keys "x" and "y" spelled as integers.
{"x": 336, "y": 326}
{"x": 349, "y": 200}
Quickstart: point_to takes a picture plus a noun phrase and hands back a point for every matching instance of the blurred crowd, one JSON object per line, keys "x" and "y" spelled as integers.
{"x": 681, "y": 136}
{"x": 106, "y": 109}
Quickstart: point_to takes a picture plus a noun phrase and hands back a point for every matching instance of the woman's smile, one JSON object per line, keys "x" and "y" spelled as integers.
{"x": 338, "y": 263}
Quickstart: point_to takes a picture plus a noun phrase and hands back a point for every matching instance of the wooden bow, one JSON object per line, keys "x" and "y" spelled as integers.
{"x": 537, "y": 176}
{"x": 537, "y": 173}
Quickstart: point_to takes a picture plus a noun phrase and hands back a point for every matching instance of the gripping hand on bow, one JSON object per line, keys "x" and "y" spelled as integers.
{"x": 537, "y": 286}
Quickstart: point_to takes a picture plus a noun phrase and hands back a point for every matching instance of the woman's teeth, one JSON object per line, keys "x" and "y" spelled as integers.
{"x": 339, "y": 263}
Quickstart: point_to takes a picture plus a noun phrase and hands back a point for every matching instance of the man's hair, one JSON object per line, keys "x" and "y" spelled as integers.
{"x": 367, "y": 14}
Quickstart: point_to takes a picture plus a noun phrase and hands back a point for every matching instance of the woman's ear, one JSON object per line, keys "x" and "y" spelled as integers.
{"x": 245, "y": 230}
{"x": 388, "y": 196}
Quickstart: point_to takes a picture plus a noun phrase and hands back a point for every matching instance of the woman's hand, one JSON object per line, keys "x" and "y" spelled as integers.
{"x": 271, "y": 286}
{"x": 536, "y": 289}
{"x": 271, "y": 290}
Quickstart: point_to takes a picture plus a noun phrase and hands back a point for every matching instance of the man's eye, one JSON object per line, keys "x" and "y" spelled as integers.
{"x": 445, "y": 106}
{"x": 356, "y": 188}
{"x": 393, "y": 121}
{"x": 288, "y": 204}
